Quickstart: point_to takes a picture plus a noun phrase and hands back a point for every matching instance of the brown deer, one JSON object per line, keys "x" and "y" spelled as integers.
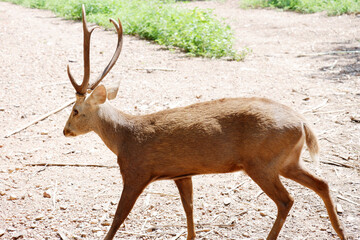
{"x": 256, "y": 135}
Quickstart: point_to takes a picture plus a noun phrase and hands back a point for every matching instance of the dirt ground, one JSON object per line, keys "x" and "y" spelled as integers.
{"x": 308, "y": 62}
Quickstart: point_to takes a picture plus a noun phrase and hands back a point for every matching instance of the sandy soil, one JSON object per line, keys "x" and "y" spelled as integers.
{"x": 296, "y": 59}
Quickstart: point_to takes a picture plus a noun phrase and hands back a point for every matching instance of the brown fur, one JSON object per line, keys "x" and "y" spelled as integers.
{"x": 256, "y": 135}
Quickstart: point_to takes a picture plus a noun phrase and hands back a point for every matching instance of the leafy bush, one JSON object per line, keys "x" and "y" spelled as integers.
{"x": 195, "y": 31}
{"x": 333, "y": 7}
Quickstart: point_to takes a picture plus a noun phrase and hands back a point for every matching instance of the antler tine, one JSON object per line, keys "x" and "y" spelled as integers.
{"x": 116, "y": 55}
{"x": 81, "y": 89}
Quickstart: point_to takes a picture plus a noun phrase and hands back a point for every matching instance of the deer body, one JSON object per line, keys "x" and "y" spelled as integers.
{"x": 211, "y": 137}
{"x": 256, "y": 135}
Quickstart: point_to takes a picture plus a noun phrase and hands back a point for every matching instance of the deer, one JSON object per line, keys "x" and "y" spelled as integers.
{"x": 255, "y": 135}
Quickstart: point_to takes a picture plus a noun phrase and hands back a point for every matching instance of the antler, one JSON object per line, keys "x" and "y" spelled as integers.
{"x": 113, "y": 60}
{"x": 81, "y": 89}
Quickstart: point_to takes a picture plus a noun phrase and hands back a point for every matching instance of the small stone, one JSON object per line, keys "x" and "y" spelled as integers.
{"x": 39, "y": 217}
{"x": 105, "y": 223}
{"x": 2, "y": 232}
{"x": 83, "y": 235}
{"x": 93, "y": 221}
{"x": 12, "y": 197}
{"x": 263, "y": 214}
{"x": 63, "y": 207}
{"x": 113, "y": 202}
{"x": 46, "y": 195}
{"x": 18, "y": 235}
{"x": 96, "y": 229}
{"x": 339, "y": 208}
{"x": 227, "y": 201}
{"x": 11, "y": 229}
{"x": 96, "y": 207}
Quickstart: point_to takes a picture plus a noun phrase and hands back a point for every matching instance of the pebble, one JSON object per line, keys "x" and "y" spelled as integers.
{"x": 96, "y": 229}
{"x": 11, "y": 229}
{"x": 18, "y": 234}
{"x": 46, "y": 195}
{"x": 63, "y": 207}
{"x": 339, "y": 208}
{"x": 96, "y": 207}
{"x": 227, "y": 201}
{"x": 12, "y": 197}
{"x": 263, "y": 214}
{"x": 94, "y": 221}
{"x": 2, "y": 232}
{"x": 105, "y": 223}
{"x": 39, "y": 217}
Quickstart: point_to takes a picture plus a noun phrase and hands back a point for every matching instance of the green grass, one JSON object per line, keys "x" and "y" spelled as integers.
{"x": 333, "y": 7}
{"x": 197, "y": 32}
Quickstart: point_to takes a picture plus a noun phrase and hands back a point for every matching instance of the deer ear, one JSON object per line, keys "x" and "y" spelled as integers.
{"x": 112, "y": 91}
{"x": 98, "y": 96}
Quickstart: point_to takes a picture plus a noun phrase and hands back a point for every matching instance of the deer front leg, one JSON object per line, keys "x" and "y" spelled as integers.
{"x": 186, "y": 192}
{"x": 131, "y": 191}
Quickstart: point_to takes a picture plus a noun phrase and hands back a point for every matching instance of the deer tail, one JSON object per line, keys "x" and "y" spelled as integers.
{"x": 312, "y": 143}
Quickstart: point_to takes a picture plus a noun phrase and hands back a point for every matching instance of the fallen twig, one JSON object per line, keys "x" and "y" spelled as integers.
{"x": 54, "y": 195}
{"x": 234, "y": 188}
{"x": 137, "y": 234}
{"x": 258, "y": 194}
{"x": 331, "y": 112}
{"x": 347, "y": 200}
{"x": 197, "y": 224}
{"x": 317, "y": 107}
{"x": 178, "y": 235}
{"x": 42, "y": 169}
{"x": 161, "y": 194}
{"x": 338, "y": 164}
{"x": 158, "y": 69}
{"x": 40, "y": 118}
{"x": 54, "y": 84}
{"x": 328, "y": 53}
{"x": 68, "y": 165}
{"x": 62, "y": 235}
{"x": 183, "y": 232}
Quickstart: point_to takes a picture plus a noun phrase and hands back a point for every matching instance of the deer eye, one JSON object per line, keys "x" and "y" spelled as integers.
{"x": 76, "y": 112}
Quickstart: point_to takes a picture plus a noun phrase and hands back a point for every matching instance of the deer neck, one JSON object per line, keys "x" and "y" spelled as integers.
{"x": 112, "y": 126}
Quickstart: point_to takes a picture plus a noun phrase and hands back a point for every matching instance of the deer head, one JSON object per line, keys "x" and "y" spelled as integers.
{"x": 85, "y": 107}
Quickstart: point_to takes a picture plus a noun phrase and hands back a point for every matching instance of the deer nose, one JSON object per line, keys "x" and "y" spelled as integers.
{"x": 66, "y": 132}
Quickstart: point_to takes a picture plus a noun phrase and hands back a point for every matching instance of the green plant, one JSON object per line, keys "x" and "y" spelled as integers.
{"x": 197, "y": 32}
{"x": 333, "y": 7}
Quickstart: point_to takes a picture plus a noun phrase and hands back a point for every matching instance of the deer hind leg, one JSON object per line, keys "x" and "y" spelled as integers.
{"x": 305, "y": 178}
{"x": 270, "y": 183}
{"x": 186, "y": 192}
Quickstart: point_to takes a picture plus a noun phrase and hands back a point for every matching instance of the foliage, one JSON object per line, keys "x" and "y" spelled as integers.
{"x": 195, "y": 31}
{"x": 333, "y": 7}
